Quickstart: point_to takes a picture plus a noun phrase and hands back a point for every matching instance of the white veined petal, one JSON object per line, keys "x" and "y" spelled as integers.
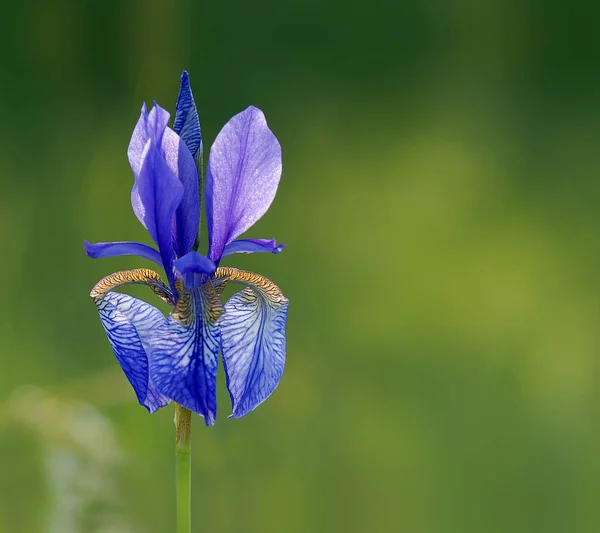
{"x": 253, "y": 343}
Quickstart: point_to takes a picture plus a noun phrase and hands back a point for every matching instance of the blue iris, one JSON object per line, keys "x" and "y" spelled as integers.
{"x": 176, "y": 357}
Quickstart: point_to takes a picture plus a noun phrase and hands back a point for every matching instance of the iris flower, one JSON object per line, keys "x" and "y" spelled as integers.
{"x": 176, "y": 357}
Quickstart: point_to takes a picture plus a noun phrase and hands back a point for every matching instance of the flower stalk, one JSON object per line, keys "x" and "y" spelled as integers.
{"x": 158, "y": 354}
{"x": 183, "y": 466}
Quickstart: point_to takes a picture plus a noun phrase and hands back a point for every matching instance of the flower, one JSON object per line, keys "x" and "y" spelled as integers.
{"x": 176, "y": 357}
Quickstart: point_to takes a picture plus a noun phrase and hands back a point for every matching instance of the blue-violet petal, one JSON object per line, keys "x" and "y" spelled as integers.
{"x": 184, "y": 353}
{"x": 249, "y": 246}
{"x": 194, "y": 269}
{"x": 243, "y": 174}
{"x": 187, "y": 216}
{"x": 113, "y": 249}
{"x": 253, "y": 345}
{"x": 158, "y": 190}
{"x": 187, "y": 124}
{"x": 128, "y": 323}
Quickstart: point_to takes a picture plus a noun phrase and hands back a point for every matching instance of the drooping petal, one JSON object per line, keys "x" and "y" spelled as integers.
{"x": 184, "y": 354}
{"x": 187, "y": 124}
{"x": 252, "y": 339}
{"x": 249, "y": 246}
{"x": 194, "y": 269}
{"x": 158, "y": 190}
{"x": 243, "y": 174}
{"x": 128, "y": 323}
{"x": 113, "y": 249}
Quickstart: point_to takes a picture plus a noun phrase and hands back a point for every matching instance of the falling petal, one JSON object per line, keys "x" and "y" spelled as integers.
{"x": 253, "y": 340}
{"x": 128, "y": 323}
{"x": 185, "y": 349}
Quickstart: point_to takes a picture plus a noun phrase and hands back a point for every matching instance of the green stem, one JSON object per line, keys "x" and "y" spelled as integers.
{"x": 183, "y": 459}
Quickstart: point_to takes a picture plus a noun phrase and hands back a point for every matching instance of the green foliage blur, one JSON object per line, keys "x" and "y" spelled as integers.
{"x": 439, "y": 204}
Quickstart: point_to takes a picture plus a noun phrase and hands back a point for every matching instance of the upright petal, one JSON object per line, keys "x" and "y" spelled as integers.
{"x": 187, "y": 216}
{"x": 243, "y": 174}
{"x": 137, "y": 153}
{"x": 252, "y": 339}
{"x": 184, "y": 354}
{"x": 187, "y": 124}
{"x": 158, "y": 190}
{"x": 128, "y": 323}
{"x": 137, "y": 148}
{"x": 187, "y": 127}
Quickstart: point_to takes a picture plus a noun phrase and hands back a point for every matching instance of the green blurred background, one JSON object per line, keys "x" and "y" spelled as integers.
{"x": 439, "y": 207}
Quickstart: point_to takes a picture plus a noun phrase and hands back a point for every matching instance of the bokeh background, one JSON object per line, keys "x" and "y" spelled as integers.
{"x": 439, "y": 204}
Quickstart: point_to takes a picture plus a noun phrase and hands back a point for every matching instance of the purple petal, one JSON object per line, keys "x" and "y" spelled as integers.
{"x": 113, "y": 249}
{"x": 243, "y": 173}
{"x": 187, "y": 217}
{"x": 128, "y": 323}
{"x": 135, "y": 153}
{"x": 157, "y": 191}
{"x": 186, "y": 123}
{"x": 249, "y": 246}
{"x": 194, "y": 268}
{"x": 184, "y": 354}
{"x": 253, "y": 345}
{"x": 165, "y": 192}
